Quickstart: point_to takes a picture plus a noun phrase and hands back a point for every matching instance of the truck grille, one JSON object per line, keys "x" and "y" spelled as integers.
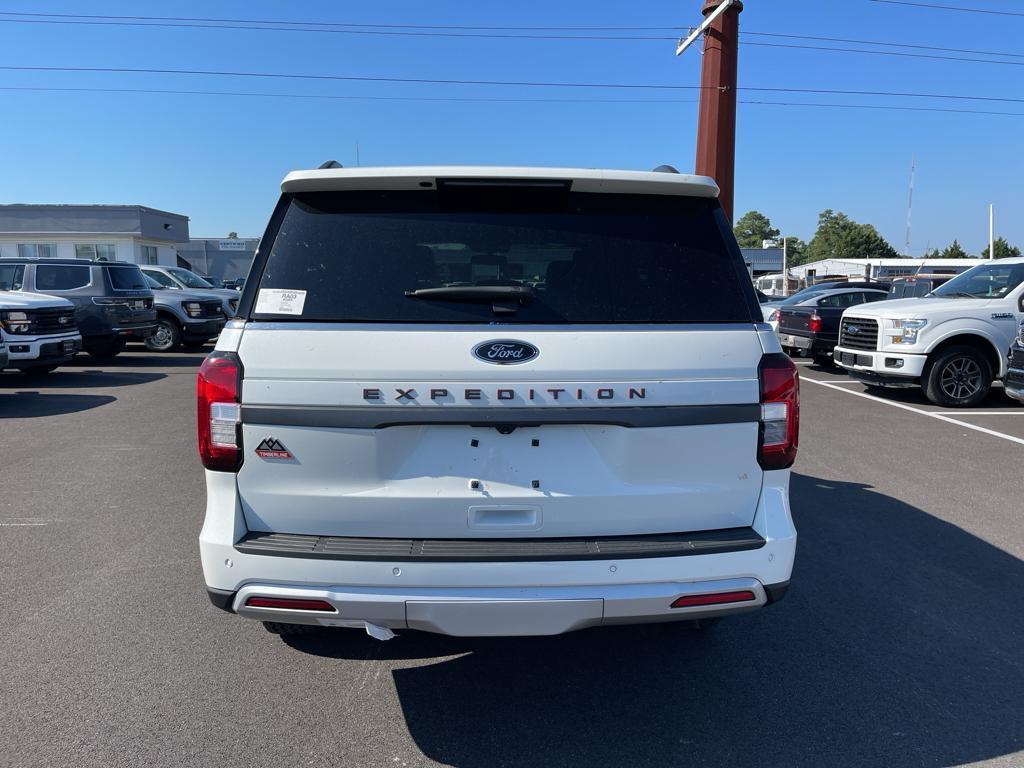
{"x": 46, "y": 322}
{"x": 859, "y": 333}
{"x": 211, "y": 309}
{"x": 1017, "y": 356}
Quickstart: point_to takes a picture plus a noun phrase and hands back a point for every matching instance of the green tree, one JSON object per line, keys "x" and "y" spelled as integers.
{"x": 795, "y": 249}
{"x": 954, "y": 251}
{"x": 840, "y": 237}
{"x": 232, "y": 235}
{"x": 753, "y": 228}
{"x": 1003, "y": 249}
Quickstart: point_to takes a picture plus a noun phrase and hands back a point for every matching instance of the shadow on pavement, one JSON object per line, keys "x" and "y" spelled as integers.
{"x": 64, "y": 378}
{"x": 898, "y": 644}
{"x": 26, "y": 405}
{"x": 143, "y": 359}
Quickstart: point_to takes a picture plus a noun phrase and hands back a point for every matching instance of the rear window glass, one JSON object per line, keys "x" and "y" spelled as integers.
{"x": 58, "y": 277}
{"x": 127, "y": 278}
{"x": 559, "y": 257}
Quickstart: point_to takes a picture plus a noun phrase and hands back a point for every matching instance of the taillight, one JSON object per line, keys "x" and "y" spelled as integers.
{"x": 774, "y": 317}
{"x": 290, "y": 604}
{"x": 780, "y": 412}
{"x": 814, "y": 324}
{"x": 218, "y": 391}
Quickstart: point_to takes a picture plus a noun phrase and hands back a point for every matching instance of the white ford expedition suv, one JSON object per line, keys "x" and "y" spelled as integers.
{"x": 488, "y": 401}
{"x": 953, "y": 343}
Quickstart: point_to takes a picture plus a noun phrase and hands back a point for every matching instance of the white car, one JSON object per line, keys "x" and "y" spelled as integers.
{"x": 470, "y": 401}
{"x": 38, "y": 331}
{"x": 952, "y": 343}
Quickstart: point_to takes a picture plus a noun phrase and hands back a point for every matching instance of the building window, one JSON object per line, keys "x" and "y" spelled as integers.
{"x": 96, "y": 252}
{"x": 37, "y": 251}
{"x": 149, "y": 254}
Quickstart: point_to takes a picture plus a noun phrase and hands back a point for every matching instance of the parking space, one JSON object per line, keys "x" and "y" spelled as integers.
{"x": 998, "y": 416}
{"x": 898, "y": 644}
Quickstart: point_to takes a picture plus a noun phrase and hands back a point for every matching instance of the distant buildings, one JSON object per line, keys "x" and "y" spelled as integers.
{"x": 111, "y": 232}
{"x": 133, "y": 233}
{"x": 221, "y": 258}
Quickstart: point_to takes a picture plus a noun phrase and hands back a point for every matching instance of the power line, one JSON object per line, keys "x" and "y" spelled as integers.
{"x": 526, "y": 33}
{"x": 348, "y": 24}
{"x": 472, "y": 99}
{"x": 514, "y": 83}
{"x": 950, "y": 7}
{"x": 902, "y": 54}
{"x": 352, "y": 78}
{"x": 888, "y": 44}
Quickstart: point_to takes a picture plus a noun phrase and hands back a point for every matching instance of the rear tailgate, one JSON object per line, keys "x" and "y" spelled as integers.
{"x": 606, "y": 432}
{"x": 796, "y": 320}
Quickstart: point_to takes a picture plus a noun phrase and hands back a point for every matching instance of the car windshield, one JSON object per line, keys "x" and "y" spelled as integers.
{"x": 190, "y": 279}
{"x": 802, "y": 296}
{"x": 986, "y": 281}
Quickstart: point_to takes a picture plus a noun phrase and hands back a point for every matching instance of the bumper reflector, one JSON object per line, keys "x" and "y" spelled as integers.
{"x": 687, "y": 601}
{"x": 289, "y": 604}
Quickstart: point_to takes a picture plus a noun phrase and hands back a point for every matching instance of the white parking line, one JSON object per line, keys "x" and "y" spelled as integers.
{"x": 912, "y": 409}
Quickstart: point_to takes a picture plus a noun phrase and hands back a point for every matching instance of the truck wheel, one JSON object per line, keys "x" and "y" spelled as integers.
{"x": 290, "y": 630}
{"x": 959, "y": 377}
{"x": 107, "y": 350}
{"x": 166, "y": 337}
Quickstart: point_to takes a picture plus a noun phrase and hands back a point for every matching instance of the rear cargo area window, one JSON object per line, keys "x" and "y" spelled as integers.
{"x": 127, "y": 278}
{"x": 569, "y": 258}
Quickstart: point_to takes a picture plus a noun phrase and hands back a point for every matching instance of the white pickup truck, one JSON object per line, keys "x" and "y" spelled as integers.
{"x": 38, "y": 332}
{"x": 952, "y": 343}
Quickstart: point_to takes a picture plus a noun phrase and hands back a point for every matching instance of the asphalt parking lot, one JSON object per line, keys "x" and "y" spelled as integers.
{"x": 899, "y": 644}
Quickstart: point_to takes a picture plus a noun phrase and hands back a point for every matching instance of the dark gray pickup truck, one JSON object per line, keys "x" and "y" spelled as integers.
{"x": 812, "y": 326}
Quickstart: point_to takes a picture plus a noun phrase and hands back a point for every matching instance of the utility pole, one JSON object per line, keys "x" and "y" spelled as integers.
{"x": 991, "y": 231}
{"x": 785, "y": 267}
{"x": 910, "y": 205}
{"x": 716, "y": 124}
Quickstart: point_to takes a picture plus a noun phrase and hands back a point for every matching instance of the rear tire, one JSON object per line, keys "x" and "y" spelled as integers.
{"x": 958, "y": 377}
{"x": 107, "y": 350}
{"x": 166, "y": 337}
{"x": 291, "y": 630}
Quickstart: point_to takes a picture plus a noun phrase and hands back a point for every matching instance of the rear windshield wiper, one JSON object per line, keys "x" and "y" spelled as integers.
{"x": 477, "y": 294}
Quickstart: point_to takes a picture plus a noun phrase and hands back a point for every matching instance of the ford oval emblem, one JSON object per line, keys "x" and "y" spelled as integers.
{"x": 505, "y": 352}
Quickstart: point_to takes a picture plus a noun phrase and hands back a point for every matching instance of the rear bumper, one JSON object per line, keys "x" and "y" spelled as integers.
{"x": 135, "y": 330}
{"x": 493, "y": 598}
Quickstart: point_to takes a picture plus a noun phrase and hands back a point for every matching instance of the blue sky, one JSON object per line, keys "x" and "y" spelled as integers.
{"x": 219, "y": 159}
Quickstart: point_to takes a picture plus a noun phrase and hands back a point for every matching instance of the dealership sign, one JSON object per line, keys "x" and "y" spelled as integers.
{"x": 232, "y": 245}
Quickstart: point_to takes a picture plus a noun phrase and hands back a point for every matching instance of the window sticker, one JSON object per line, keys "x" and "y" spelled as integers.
{"x": 279, "y": 301}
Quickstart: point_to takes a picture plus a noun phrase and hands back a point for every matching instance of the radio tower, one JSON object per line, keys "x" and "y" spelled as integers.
{"x": 910, "y": 206}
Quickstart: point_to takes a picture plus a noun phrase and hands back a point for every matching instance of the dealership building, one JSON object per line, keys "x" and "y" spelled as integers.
{"x": 220, "y": 258}
{"x": 102, "y": 232}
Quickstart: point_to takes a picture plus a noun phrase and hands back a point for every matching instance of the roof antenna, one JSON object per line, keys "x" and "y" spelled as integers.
{"x": 330, "y": 164}
{"x": 665, "y": 169}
